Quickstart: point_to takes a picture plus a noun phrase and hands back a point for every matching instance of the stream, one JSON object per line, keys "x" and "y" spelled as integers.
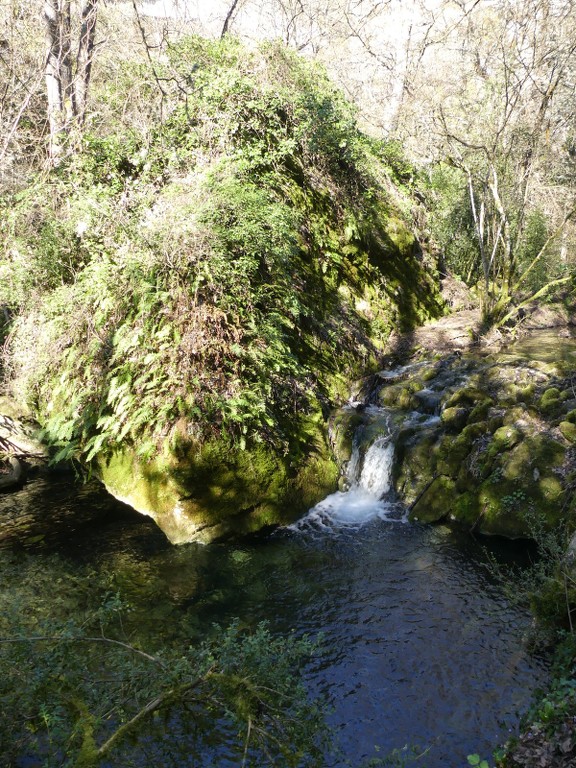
{"x": 421, "y": 647}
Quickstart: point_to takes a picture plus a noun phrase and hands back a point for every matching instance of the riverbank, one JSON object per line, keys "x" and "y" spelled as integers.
{"x": 463, "y": 329}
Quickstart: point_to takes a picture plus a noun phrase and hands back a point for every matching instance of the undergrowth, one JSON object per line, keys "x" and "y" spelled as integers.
{"x": 221, "y": 267}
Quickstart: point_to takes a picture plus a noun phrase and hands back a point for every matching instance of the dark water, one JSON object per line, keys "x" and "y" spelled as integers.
{"x": 420, "y": 645}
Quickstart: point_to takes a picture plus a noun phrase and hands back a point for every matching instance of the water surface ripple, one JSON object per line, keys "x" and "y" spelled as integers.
{"x": 420, "y": 645}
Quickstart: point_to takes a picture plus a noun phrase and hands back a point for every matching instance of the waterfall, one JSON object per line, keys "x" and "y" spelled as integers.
{"x": 376, "y": 475}
{"x": 370, "y": 479}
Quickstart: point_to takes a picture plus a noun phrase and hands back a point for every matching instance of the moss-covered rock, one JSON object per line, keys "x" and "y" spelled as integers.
{"x": 495, "y": 463}
{"x": 434, "y": 503}
{"x": 568, "y": 430}
{"x": 525, "y": 486}
{"x": 401, "y": 395}
{"x": 201, "y": 493}
{"x": 415, "y": 462}
{"x": 453, "y": 452}
{"x": 466, "y": 396}
{"x": 465, "y": 509}
{"x": 342, "y": 426}
{"x": 506, "y": 437}
{"x": 550, "y": 400}
{"x": 239, "y": 262}
{"x": 454, "y": 418}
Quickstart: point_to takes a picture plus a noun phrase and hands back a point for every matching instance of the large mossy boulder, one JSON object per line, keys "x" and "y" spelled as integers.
{"x": 201, "y": 493}
{"x": 222, "y": 273}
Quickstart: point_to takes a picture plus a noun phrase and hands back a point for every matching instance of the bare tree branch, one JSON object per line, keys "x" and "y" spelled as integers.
{"x": 228, "y": 19}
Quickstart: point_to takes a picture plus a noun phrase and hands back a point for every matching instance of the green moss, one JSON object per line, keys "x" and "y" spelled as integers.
{"x": 453, "y": 452}
{"x": 534, "y": 455}
{"x": 480, "y": 410}
{"x": 467, "y": 396}
{"x": 415, "y": 465}
{"x": 465, "y": 508}
{"x": 398, "y": 395}
{"x": 209, "y": 491}
{"x": 550, "y": 400}
{"x": 506, "y": 438}
{"x": 342, "y": 426}
{"x": 525, "y": 485}
{"x": 434, "y": 503}
{"x": 568, "y": 430}
{"x": 401, "y": 236}
{"x": 454, "y": 418}
{"x": 526, "y": 394}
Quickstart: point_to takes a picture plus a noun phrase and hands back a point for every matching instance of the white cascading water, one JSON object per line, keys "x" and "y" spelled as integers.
{"x": 376, "y": 473}
{"x": 370, "y": 480}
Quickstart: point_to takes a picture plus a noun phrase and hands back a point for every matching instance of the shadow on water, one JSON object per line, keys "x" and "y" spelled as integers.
{"x": 419, "y": 644}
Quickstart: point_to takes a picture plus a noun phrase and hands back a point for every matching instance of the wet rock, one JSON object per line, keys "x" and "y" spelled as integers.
{"x": 428, "y": 401}
{"x": 455, "y": 418}
{"x": 342, "y": 427}
{"x": 399, "y": 395}
{"x": 433, "y": 505}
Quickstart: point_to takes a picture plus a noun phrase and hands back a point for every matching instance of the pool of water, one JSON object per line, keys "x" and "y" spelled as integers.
{"x": 420, "y": 646}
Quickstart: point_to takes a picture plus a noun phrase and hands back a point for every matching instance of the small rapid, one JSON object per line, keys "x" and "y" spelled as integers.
{"x": 368, "y": 497}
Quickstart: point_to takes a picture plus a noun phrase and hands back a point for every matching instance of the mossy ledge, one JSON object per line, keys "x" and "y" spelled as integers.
{"x": 194, "y": 287}
{"x": 498, "y": 459}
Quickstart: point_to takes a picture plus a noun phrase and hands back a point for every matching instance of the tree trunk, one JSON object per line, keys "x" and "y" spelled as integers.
{"x": 67, "y": 80}
{"x": 54, "y": 84}
{"x": 84, "y": 58}
{"x": 228, "y": 18}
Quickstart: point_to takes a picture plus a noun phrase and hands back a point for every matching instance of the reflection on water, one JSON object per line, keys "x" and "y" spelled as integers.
{"x": 420, "y": 647}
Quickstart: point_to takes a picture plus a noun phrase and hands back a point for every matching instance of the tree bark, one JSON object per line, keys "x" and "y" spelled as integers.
{"x": 53, "y": 72}
{"x": 228, "y": 18}
{"x": 84, "y": 58}
{"x": 67, "y": 79}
